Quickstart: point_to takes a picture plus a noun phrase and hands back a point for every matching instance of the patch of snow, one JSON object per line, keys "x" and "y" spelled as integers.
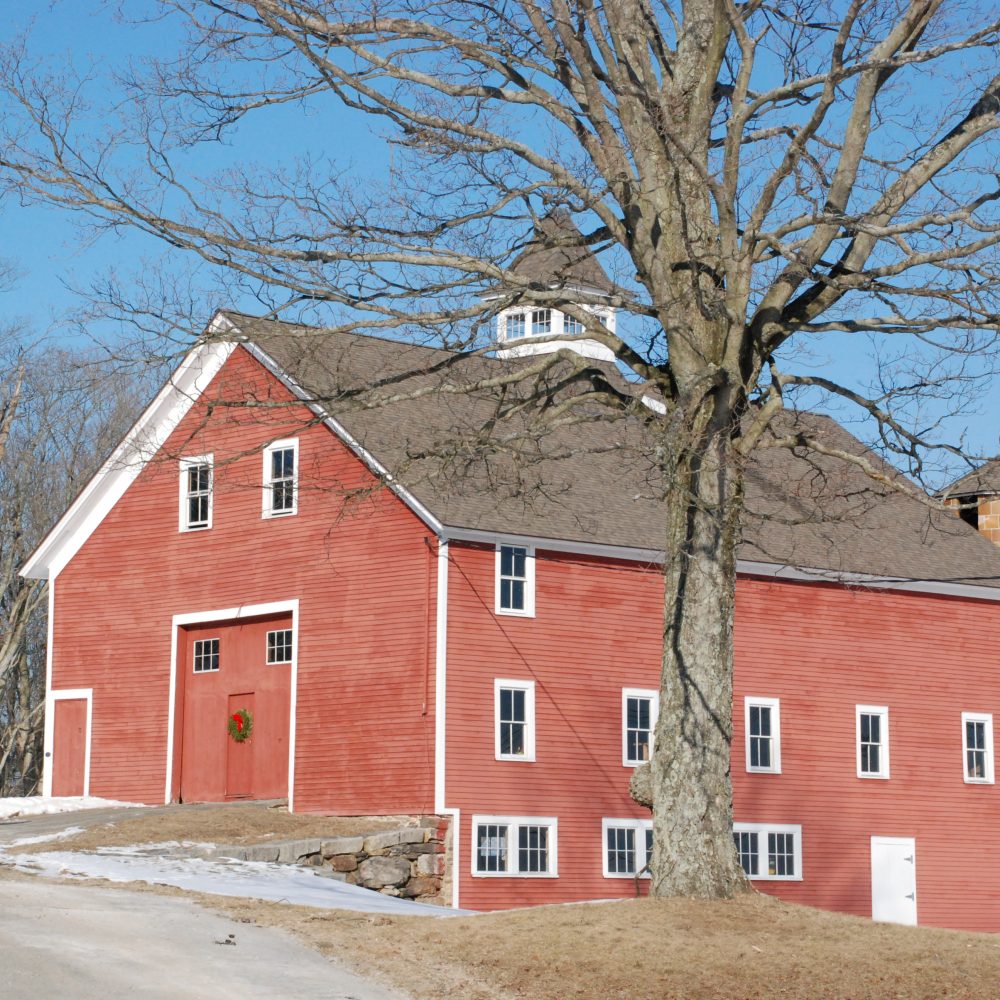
{"x": 221, "y": 877}
{"x": 40, "y": 805}
{"x": 70, "y": 831}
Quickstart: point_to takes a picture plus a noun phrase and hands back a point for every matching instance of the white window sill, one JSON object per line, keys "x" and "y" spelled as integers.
{"x": 509, "y": 613}
{"x": 876, "y": 777}
{"x": 516, "y": 875}
{"x": 517, "y": 758}
{"x": 775, "y": 878}
{"x": 763, "y": 770}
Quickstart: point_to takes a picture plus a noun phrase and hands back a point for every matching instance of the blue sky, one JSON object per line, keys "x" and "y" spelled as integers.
{"x": 53, "y": 261}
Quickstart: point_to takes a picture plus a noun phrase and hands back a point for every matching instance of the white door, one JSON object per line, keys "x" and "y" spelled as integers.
{"x": 894, "y": 879}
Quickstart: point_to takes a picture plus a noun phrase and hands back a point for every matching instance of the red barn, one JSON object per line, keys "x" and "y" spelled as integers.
{"x": 415, "y": 622}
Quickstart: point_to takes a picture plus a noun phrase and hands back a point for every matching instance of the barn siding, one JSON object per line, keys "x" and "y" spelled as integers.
{"x": 361, "y": 571}
{"x": 822, "y": 649}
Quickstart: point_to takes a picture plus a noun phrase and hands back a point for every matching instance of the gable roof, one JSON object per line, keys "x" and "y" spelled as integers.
{"x": 453, "y": 457}
{"x": 594, "y": 481}
{"x": 979, "y": 482}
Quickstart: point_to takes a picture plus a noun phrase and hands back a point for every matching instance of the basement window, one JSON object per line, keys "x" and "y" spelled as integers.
{"x": 196, "y": 493}
{"x": 519, "y": 846}
{"x": 769, "y": 852}
{"x": 515, "y": 580}
{"x": 762, "y": 718}
{"x": 628, "y": 847}
{"x": 639, "y": 711}
{"x": 873, "y": 741}
{"x": 977, "y": 746}
{"x": 281, "y": 478}
{"x": 279, "y": 646}
{"x": 206, "y": 655}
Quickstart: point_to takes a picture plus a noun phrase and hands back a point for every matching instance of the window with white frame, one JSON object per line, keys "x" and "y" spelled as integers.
{"x": 873, "y": 741}
{"x": 541, "y": 322}
{"x": 281, "y": 472}
{"x": 640, "y": 708}
{"x": 522, "y": 846}
{"x": 769, "y": 851}
{"x": 515, "y": 325}
{"x": 279, "y": 646}
{"x": 196, "y": 493}
{"x": 572, "y": 326}
{"x": 977, "y": 745}
{"x": 628, "y": 847}
{"x": 515, "y": 580}
{"x": 206, "y": 655}
{"x": 762, "y": 719}
{"x": 515, "y": 719}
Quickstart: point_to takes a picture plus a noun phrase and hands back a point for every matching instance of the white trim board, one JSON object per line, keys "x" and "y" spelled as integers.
{"x": 66, "y": 694}
{"x": 225, "y": 615}
{"x": 122, "y": 467}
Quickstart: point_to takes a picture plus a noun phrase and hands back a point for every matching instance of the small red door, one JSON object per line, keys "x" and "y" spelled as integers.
{"x": 239, "y": 756}
{"x": 69, "y": 749}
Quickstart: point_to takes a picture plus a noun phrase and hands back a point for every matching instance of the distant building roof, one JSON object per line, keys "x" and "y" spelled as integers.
{"x": 981, "y": 481}
{"x": 598, "y": 480}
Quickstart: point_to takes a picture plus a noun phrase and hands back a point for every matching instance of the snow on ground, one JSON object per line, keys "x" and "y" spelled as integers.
{"x": 220, "y": 877}
{"x": 70, "y": 831}
{"x": 39, "y": 805}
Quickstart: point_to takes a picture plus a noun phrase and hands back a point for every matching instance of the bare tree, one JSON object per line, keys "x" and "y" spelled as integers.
{"x": 757, "y": 175}
{"x": 73, "y": 408}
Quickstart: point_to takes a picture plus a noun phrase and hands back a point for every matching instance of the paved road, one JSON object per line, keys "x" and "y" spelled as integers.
{"x": 89, "y": 943}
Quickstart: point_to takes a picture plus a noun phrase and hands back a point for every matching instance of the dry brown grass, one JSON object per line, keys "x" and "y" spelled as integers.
{"x": 755, "y": 947}
{"x": 224, "y": 825}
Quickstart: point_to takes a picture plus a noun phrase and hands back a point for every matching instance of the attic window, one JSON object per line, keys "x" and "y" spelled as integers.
{"x": 515, "y": 325}
{"x": 515, "y": 580}
{"x": 572, "y": 327}
{"x": 196, "y": 493}
{"x": 281, "y": 470}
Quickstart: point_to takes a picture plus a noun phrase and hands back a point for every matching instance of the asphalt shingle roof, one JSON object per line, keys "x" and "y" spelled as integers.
{"x": 596, "y": 480}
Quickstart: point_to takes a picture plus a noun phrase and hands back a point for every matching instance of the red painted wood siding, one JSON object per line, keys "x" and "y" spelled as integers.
{"x": 356, "y": 561}
{"x": 69, "y": 761}
{"x": 821, "y": 649}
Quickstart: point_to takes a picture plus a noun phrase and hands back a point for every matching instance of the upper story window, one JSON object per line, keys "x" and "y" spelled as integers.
{"x": 279, "y": 646}
{"x": 628, "y": 847}
{"x": 206, "y": 655}
{"x": 977, "y": 744}
{"x": 541, "y": 322}
{"x": 640, "y": 708}
{"x": 514, "y": 707}
{"x": 515, "y": 325}
{"x": 514, "y": 845}
{"x": 873, "y": 741}
{"x": 515, "y": 580}
{"x": 762, "y": 718}
{"x": 196, "y": 493}
{"x": 572, "y": 327}
{"x": 769, "y": 851}
{"x": 281, "y": 474}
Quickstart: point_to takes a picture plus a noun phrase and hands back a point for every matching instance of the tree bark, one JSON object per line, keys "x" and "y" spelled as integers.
{"x": 694, "y": 853}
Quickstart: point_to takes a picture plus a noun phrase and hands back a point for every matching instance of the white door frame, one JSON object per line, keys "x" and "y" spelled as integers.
{"x": 66, "y": 694}
{"x": 234, "y": 614}
{"x": 907, "y": 843}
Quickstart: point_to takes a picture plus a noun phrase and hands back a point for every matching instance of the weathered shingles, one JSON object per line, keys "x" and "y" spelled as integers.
{"x": 595, "y": 481}
{"x": 984, "y": 480}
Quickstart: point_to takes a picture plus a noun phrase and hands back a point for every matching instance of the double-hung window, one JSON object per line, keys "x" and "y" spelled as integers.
{"x": 977, "y": 746}
{"x": 762, "y": 719}
{"x": 281, "y": 478}
{"x": 768, "y": 851}
{"x": 628, "y": 847}
{"x": 514, "y": 707}
{"x": 196, "y": 493}
{"x": 640, "y": 708}
{"x": 873, "y": 741}
{"x": 523, "y": 846}
{"x": 515, "y": 580}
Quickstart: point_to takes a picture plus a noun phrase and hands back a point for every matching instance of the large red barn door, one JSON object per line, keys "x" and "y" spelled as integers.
{"x": 226, "y": 668}
{"x": 69, "y": 746}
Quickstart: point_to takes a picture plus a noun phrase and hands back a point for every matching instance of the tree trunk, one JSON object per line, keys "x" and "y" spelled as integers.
{"x": 693, "y": 851}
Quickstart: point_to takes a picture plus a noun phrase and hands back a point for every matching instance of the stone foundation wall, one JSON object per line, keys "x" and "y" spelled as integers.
{"x": 410, "y": 862}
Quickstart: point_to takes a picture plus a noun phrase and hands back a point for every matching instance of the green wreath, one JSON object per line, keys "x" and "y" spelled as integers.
{"x": 240, "y": 726}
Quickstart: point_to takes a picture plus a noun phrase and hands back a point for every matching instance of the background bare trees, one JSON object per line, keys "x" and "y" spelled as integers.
{"x": 71, "y": 410}
{"x": 759, "y": 178}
